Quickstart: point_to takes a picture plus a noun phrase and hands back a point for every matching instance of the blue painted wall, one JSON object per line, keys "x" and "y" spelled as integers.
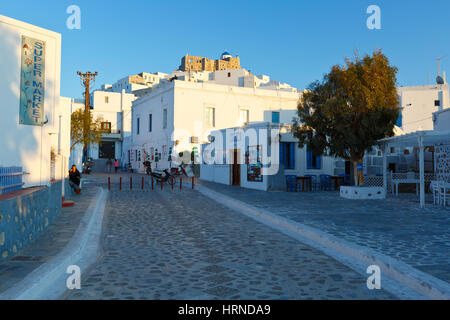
{"x": 24, "y": 218}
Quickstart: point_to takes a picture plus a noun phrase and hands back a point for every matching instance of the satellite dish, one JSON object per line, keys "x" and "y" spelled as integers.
{"x": 211, "y": 138}
{"x": 440, "y": 80}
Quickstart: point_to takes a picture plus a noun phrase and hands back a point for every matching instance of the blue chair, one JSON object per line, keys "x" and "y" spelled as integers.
{"x": 325, "y": 182}
{"x": 291, "y": 183}
{"x": 347, "y": 179}
{"x": 314, "y": 185}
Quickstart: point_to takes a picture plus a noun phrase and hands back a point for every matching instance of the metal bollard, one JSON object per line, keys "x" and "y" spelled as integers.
{"x": 120, "y": 184}
{"x": 131, "y": 183}
{"x": 153, "y": 184}
{"x": 109, "y": 183}
{"x": 142, "y": 183}
{"x": 162, "y": 183}
{"x": 181, "y": 183}
{"x": 172, "y": 183}
{"x": 192, "y": 182}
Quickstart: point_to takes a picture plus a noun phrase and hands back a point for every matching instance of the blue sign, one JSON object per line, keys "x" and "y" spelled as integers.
{"x": 360, "y": 167}
{"x": 32, "y": 82}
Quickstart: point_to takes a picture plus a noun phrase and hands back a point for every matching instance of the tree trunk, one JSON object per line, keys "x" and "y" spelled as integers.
{"x": 355, "y": 172}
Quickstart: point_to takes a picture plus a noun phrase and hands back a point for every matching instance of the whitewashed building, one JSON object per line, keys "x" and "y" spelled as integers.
{"x": 35, "y": 125}
{"x": 418, "y": 104}
{"x": 114, "y": 109}
{"x": 259, "y": 156}
{"x": 135, "y": 82}
{"x": 441, "y": 120}
{"x": 178, "y": 116}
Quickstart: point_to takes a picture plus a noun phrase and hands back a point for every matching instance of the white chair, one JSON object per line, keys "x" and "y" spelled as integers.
{"x": 444, "y": 193}
{"x": 434, "y": 187}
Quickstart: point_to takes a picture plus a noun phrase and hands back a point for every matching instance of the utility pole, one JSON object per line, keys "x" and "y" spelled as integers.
{"x": 86, "y": 79}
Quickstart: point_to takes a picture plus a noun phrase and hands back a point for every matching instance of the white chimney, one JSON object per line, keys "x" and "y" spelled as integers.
{"x": 444, "y": 77}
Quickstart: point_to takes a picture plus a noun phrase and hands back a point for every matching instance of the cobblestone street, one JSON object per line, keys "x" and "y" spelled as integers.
{"x": 394, "y": 227}
{"x": 180, "y": 245}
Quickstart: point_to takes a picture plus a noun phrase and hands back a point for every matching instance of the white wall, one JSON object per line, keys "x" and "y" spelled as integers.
{"x": 418, "y": 105}
{"x": 186, "y": 103}
{"x": 153, "y": 104}
{"x": 60, "y": 137}
{"x": 116, "y": 110}
{"x": 301, "y": 168}
{"x": 215, "y": 172}
{"x": 20, "y": 145}
{"x": 442, "y": 120}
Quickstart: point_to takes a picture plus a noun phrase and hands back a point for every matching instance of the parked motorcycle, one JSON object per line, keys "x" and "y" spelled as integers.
{"x": 87, "y": 166}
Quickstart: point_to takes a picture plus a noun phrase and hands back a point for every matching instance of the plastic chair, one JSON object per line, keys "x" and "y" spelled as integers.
{"x": 314, "y": 184}
{"x": 291, "y": 183}
{"x": 434, "y": 187}
{"x": 444, "y": 193}
{"x": 325, "y": 182}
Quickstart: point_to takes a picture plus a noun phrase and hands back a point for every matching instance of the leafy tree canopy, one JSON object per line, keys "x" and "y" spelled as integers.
{"x": 350, "y": 109}
{"x": 77, "y": 134}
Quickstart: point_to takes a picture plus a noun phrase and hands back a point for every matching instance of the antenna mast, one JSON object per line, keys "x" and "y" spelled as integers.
{"x": 439, "y": 65}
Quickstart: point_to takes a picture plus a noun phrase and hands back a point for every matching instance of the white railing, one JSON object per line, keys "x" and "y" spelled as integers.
{"x": 413, "y": 176}
{"x": 373, "y": 181}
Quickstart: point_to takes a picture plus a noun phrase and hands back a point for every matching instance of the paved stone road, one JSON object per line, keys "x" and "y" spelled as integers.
{"x": 394, "y": 227}
{"x": 48, "y": 244}
{"x": 180, "y": 245}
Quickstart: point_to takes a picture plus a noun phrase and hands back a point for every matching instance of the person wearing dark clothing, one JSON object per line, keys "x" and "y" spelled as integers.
{"x": 75, "y": 179}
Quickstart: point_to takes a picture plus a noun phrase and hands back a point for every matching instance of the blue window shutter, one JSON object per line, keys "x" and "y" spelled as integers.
{"x": 281, "y": 153}
{"x": 399, "y": 120}
{"x": 275, "y": 117}
{"x": 292, "y": 155}
{"x": 319, "y": 162}
{"x": 308, "y": 159}
{"x": 283, "y": 156}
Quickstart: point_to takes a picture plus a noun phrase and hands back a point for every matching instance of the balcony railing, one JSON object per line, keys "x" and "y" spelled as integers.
{"x": 10, "y": 179}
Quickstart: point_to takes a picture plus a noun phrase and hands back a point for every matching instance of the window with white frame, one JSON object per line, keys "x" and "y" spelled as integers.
{"x": 210, "y": 117}
{"x": 244, "y": 117}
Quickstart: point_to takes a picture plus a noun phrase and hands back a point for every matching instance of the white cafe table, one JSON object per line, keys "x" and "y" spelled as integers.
{"x": 396, "y": 182}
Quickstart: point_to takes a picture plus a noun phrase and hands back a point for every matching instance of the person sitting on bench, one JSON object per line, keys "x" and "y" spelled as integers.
{"x": 75, "y": 179}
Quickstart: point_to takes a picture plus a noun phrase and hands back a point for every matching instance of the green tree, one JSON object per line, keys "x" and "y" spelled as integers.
{"x": 77, "y": 129}
{"x": 353, "y": 107}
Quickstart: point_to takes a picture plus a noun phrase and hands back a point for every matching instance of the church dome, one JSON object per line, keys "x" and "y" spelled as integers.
{"x": 225, "y": 55}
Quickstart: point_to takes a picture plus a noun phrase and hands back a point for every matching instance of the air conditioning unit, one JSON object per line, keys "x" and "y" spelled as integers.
{"x": 194, "y": 140}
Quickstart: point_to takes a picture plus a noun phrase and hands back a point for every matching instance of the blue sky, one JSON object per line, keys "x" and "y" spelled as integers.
{"x": 291, "y": 41}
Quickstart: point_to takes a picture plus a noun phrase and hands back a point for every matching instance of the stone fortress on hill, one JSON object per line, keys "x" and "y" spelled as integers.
{"x": 197, "y": 64}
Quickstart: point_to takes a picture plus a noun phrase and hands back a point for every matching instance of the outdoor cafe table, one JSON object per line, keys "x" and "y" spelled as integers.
{"x": 396, "y": 182}
{"x": 338, "y": 181}
{"x": 303, "y": 179}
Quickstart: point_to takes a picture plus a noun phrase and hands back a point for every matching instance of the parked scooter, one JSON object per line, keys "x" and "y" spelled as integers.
{"x": 165, "y": 176}
{"x": 87, "y": 166}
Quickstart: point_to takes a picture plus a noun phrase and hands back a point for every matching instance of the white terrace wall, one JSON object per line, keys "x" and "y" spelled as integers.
{"x": 442, "y": 120}
{"x": 22, "y": 145}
